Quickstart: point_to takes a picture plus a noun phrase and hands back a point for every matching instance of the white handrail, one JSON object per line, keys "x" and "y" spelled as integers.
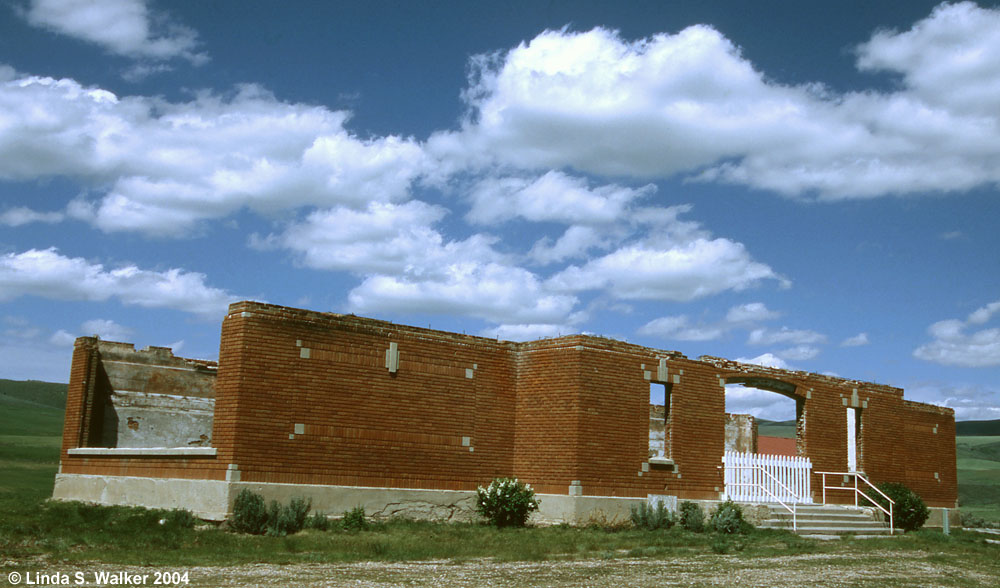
{"x": 792, "y": 509}
{"x": 857, "y": 491}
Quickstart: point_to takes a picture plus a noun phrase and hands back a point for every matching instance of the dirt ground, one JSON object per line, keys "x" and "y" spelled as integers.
{"x": 814, "y": 571}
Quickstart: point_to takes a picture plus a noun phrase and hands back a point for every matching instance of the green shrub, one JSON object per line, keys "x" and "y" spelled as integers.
{"x": 354, "y": 519}
{"x": 652, "y": 518}
{"x": 249, "y": 513}
{"x": 692, "y": 517}
{"x": 727, "y": 518}
{"x": 909, "y": 512}
{"x": 318, "y": 521}
{"x": 506, "y": 502}
{"x": 287, "y": 520}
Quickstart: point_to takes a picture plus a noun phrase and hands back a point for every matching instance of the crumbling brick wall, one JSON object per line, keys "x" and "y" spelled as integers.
{"x": 315, "y": 398}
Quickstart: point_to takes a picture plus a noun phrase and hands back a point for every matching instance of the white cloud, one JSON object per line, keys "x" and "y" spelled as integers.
{"x": 799, "y": 353}
{"x": 48, "y": 274}
{"x": 123, "y": 27}
{"x": 384, "y": 238}
{"x": 784, "y": 335}
{"x": 105, "y": 329}
{"x": 855, "y": 341}
{"x": 648, "y": 271}
{"x": 766, "y": 360}
{"x": 982, "y": 315}
{"x": 161, "y": 167}
{"x": 575, "y": 242}
{"x": 750, "y": 312}
{"x": 759, "y": 403}
{"x": 953, "y": 346}
{"x": 492, "y": 291}
{"x": 62, "y": 338}
{"x": 526, "y": 332}
{"x": 691, "y": 103}
{"x": 946, "y": 59}
{"x": 678, "y": 328}
{"x": 554, "y": 196}
{"x": 20, "y": 215}
{"x": 969, "y": 401}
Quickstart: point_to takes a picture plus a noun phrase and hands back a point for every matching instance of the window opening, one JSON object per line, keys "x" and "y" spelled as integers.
{"x": 659, "y": 420}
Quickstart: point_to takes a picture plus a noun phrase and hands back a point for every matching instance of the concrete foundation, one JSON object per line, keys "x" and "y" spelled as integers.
{"x": 206, "y": 499}
{"x": 212, "y": 500}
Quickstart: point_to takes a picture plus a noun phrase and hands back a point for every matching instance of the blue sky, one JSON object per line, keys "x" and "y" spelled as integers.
{"x": 807, "y": 186}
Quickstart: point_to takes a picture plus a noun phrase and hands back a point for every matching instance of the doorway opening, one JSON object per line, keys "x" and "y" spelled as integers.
{"x": 764, "y": 416}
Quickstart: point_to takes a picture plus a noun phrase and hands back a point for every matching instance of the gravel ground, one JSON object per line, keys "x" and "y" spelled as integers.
{"x": 815, "y": 571}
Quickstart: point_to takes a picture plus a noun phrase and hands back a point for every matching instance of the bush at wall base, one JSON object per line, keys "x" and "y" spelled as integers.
{"x": 692, "y": 517}
{"x": 909, "y": 512}
{"x": 649, "y": 517}
{"x": 506, "y": 502}
{"x": 727, "y": 518}
{"x": 252, "y": 515}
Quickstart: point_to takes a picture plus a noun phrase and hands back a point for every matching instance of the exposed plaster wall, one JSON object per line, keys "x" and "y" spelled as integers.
{"x": 150, "y": 398}
{"x": 741, "y": 433}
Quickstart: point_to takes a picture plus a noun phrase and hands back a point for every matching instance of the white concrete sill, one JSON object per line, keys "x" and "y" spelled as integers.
{"x": 144, "y": 451}
{"x": 660, "y": 461}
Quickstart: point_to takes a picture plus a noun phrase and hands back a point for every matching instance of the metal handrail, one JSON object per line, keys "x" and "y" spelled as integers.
{"x": 792, "y": 509}
{"x": 857, "y": 491}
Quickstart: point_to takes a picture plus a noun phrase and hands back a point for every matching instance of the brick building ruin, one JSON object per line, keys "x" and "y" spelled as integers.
{"x": 403, "y": 420}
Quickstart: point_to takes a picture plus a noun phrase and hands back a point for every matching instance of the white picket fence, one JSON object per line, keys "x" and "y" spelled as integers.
{"x": 755, "y": 478}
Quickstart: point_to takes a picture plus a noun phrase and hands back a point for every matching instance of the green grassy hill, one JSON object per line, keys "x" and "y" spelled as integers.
{"x": 31, "y": 420}
{"x": 978, "y": 428}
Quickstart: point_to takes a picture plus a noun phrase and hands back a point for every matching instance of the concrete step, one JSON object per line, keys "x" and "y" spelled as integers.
{"x": 826, "y": 520}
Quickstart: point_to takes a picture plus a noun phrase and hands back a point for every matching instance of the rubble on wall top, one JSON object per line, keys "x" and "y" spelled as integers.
{"x": 153, "y": 355}
{"x": 778, "y": 373}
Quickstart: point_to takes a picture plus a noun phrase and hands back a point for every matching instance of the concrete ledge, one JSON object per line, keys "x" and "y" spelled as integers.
{"x": 206, "y": 499}
{"x": 144, "y": 452}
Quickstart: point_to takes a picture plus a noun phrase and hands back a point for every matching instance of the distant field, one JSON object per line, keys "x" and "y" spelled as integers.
{"x": 31, "y": 420}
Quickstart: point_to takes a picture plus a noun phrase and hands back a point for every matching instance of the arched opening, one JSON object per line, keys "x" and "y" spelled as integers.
{"x": 765, "y": 416}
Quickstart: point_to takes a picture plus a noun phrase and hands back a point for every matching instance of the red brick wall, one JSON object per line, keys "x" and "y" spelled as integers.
{"x": 547, "y": 416}
{"x": 362, "y": 424}
{"x": 549, "y": 412}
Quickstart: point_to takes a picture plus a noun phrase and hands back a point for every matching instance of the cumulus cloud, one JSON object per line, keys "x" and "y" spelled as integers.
{"x": 678, "y": 328}
{"x": 647, "y": 270}
{"x": 554, "y": 196}
{"x": 161, "y": 167}
{"x": 969, "y": 401}
{"x": 20, "y": 215}
{"x": 49, "y": 274}
{"x": 691, "y": 103}
{"x": 759, "y": 403}
{"x": 799, "y": 353}
{"x": 122, "y": 27}
{"x": 855, "y": 341}
{"x": 766, "y": 360}
{"x": 383, "y": 238}
{"x": 62, "y": 338}
{"x": 953, "y": 345}
{"x": 527, "y": 332}
{"x": 493, "y": 291}
{"x": 750, "y": 312}
{"x": 105, "y": 329}
{"x": 743, "y": 316}
{"x": 765, "y": 336}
